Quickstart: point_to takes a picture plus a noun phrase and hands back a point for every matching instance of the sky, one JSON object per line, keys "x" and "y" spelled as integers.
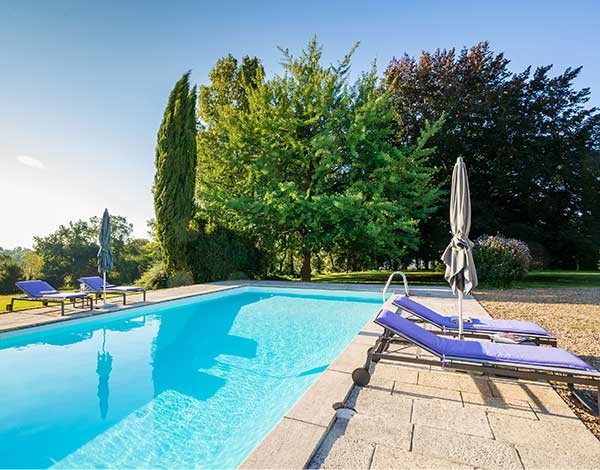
{"x": 84, "y": 84}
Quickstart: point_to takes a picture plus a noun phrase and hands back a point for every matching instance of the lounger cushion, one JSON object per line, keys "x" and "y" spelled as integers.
{"x": 476, "y": 324}
{"x": 66, "y": 295}
{"x": 481, "y": 351}
{"x": 96, "y": 283}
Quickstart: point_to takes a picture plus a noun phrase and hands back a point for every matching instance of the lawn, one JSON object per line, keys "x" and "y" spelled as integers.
{"x": 560, "y": 279}
{"x": 534, "y": 278}
{"x": 378, "y": 277}
{"x": 5, "y": 300}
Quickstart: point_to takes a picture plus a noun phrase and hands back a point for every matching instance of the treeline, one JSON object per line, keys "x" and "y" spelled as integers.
{"x": 307, "y": 171}
{"x": 69, "y": 253}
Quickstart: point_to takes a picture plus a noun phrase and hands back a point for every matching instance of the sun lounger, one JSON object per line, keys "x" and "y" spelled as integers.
{"x": 96, "y": 285}
{"x": 475, "y": 327}
{"x": 41, "y": 291}
{"x": 518, "y": 361}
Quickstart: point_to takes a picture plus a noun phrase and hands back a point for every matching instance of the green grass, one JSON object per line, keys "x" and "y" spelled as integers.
{"x": 560, "y": 279}
{"x": 376, "y": 277}
{"x": 533, "y": 279}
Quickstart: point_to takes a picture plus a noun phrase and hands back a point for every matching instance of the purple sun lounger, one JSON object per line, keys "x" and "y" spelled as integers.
{"x": 96, "y": 285}
{"x": 509, "y": 360}
{"x": 476, "y": 327}
{"x": 41, "y": 291}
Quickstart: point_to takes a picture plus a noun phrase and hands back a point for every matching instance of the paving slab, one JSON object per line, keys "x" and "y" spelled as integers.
{"x": 455, "y": 381}
{"x": 535, "y": 458}
{"x": 475, "y": 401}
{"x": 289, "y": 445}
{"x": 470, "y": 450}
{"x": 391, "y": 458}
{"x": 451, "y": 416}
{"x": 379, "y": 430}
{"x": 352, "y": 357}
{"x": 376, "y": 402}
{"x": 386, "y": 374}
{"x": 554, "y": 437}
{"x": 424, "y": 392}
{"x": 344, "y": 453}
{"x": 316, "y": 405}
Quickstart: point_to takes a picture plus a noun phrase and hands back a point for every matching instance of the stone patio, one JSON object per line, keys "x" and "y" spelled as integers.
{"x": 425, "y": 417}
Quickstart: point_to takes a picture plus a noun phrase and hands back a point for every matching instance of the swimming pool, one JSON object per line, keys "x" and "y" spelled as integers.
{"x": 189, "y": 383}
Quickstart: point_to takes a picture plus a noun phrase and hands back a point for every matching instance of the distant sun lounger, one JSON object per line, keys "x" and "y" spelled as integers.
{"x": 41, "y": 291}
{"x": 474, "y": 327}
{"x": 95, "y": 284}
{"x": 508, "y": 360}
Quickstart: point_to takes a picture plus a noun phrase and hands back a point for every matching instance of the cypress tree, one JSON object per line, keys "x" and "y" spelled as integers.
{"x": 174, "y": 181}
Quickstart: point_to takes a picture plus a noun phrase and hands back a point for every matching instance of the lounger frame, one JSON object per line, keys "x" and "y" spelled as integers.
{"x": 47, "y": 301}
{"x": 361, "y": 376}
{"x": 99, "y": 293}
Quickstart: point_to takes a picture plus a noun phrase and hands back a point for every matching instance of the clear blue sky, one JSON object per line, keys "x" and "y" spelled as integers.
{"x": 84, "y": 83}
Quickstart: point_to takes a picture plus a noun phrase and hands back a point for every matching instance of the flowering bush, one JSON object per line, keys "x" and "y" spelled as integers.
{"x": 500, "y": 260}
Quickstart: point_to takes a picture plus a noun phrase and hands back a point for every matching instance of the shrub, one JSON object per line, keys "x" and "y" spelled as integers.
{"x": 10, "y": 272}
{"x": 216, "y": 254}
{"x": 180, "y": 278}
{"x": 157, "y": 277}
{"x": 501, "y": 260}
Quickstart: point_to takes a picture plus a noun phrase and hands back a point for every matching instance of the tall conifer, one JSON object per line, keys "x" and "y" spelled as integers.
{"x": 175, "y": 176}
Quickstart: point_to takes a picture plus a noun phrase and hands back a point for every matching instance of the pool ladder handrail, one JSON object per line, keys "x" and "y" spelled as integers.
{"x": 389, "y": 281}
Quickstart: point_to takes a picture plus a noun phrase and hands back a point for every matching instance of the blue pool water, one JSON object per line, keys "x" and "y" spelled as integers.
{"x": 193, "y": 383}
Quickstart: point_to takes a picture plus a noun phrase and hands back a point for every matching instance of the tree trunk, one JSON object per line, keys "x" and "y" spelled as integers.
{"x": 305, "y": 272}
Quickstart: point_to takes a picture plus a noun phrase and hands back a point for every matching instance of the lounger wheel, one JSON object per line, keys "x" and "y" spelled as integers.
{"x": 361, "y": 377}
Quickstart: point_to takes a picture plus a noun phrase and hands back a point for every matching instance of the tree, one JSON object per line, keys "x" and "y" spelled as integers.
{"x": 306, "y": 159}
{"x": 70, "y": 252}
{"x": 10, "y": 272}
{"x": 175, "y": 176}
{"x": 32, "y": 265}
{"x": 530, "y": 145}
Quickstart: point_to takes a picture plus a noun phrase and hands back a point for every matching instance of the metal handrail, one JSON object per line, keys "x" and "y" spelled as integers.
{"x": 389, "y": 281}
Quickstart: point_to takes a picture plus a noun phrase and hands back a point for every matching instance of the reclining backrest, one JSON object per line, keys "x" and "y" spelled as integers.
{"x": 413, "y": 332}
{"x": 421, "y": 310}
{"x": 36, "y": 288}
{"x": 93, "y": 282}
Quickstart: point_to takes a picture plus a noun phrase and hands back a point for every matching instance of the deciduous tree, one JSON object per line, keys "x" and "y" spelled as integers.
{"x": 306, "y": 159}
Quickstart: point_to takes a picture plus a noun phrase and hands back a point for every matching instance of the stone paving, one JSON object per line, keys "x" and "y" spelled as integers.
{"x": 424, "y": 417}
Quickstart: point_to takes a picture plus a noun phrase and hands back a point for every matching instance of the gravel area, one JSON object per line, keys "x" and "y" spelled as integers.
{"x": 572, "y": 314}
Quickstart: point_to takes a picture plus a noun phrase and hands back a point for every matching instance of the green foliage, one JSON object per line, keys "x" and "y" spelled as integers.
{"x": 500, "y": 261}
{"x": 16, "y": 254}
{"x": 305, "y": 160}
{"x": 10, "y": 272}
{"x": 155, "y": 277}
{"x": 530, "y": 144}
{"x": 70, "y": 252}
{"x": 175, "y": 174}
{"x": 216, "y": 253}
{"x": 32, "y": 265}
{"x": 159, "y": 277}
